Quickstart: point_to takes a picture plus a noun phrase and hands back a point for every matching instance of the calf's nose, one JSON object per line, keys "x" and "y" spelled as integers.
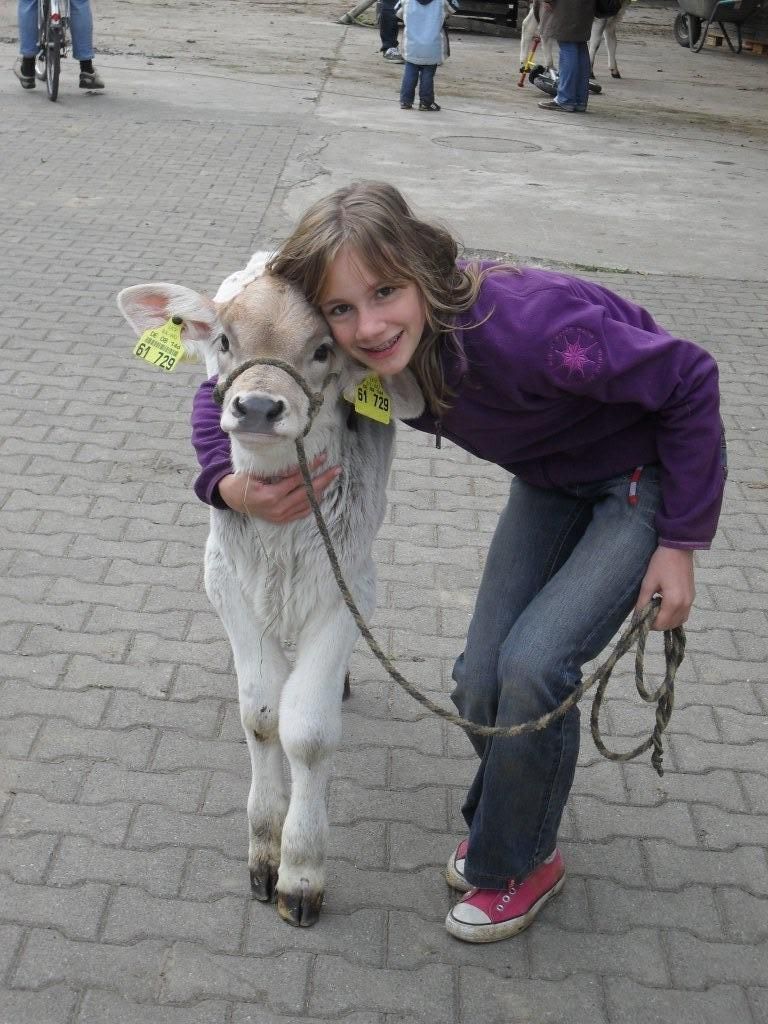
{"x": 257, "y": 413}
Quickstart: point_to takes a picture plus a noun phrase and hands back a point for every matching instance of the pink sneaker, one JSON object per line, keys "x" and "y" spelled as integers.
{"x": 454, "y": 869}
{"x": 487, "y": 915}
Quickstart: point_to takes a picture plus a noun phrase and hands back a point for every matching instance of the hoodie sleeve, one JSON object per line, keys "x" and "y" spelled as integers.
{"x": 211, "y": 445}
{"x": 610, "y": 352}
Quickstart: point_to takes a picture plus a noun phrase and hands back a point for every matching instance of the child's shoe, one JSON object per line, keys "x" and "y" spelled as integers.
{"x": 429, "y": 106}
{"x": 487, "y": 915}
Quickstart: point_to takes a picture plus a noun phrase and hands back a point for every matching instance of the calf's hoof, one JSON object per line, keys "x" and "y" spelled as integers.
{"x": 263, "y": 881}
{"x": 615, "y": 73}
{"x": 302, "y": 908}
{"x": 347, "y": 692}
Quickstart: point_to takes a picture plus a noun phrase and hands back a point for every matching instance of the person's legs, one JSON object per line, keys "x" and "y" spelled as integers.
{"x": 427, "y": 84}
{"x": 562, "y": 574}
{"x": 387, "y": 24}
{"x": 582, "y": 76}
{"x": 82, "y": 29}
{"x": 408, "y": 86}
{"x": 568, "y": 75}
{"x": 27, "y": 14}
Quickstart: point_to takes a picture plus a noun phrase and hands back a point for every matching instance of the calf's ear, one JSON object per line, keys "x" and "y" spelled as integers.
{"x": 150, "y": 305}
{"x": 407, "y": 399}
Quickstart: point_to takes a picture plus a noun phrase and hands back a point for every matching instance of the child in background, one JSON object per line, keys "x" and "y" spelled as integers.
{"x": 423, "y": 48}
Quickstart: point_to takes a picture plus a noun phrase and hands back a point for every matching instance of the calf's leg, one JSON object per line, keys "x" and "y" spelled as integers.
{"x": 261, "y": 670}
{"x": 310, "y": 731}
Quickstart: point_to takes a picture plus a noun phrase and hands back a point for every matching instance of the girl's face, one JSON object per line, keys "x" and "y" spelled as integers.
{"x": 377, "y": 322}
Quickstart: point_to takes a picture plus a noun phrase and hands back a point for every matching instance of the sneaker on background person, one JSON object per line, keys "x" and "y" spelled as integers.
{"x": 393, "y": 54}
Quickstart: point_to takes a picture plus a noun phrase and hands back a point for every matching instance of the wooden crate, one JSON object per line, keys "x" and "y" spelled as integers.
{"x": 716, "y": 38}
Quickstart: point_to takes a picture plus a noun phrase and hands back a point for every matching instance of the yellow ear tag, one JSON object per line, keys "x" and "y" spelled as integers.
{"x": 161, "y": 346}
{"x": 372, "y": 400}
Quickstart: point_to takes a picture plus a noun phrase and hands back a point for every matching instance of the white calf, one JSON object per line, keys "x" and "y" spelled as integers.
{"x": 601, "y": 27}
{"x": 272, "y": 583}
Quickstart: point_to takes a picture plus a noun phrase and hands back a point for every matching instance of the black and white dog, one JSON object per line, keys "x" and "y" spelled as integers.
{"x": 602, "y": 27}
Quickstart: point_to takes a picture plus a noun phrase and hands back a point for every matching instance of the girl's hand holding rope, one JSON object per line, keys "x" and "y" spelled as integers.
{"x": 670, "y": 574}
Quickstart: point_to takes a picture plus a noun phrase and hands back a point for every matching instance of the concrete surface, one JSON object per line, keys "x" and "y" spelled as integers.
{"x": 123, "y": 886}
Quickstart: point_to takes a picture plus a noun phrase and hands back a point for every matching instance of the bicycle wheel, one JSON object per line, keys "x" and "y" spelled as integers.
{"x": 52, "y": 61}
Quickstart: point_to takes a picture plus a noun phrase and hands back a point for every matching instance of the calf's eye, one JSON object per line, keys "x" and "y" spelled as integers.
{"x": 224, "y": 342}
{"x": 321, "y": 353}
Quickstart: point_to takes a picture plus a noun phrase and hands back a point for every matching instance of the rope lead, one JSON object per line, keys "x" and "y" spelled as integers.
{"x": 674, "y": 650}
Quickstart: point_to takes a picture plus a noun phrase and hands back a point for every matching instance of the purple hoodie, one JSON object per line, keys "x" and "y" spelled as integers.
{"x": 563, "y": 382}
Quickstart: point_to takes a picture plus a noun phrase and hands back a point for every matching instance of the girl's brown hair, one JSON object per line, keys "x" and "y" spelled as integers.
{"x": 374, "y": 220}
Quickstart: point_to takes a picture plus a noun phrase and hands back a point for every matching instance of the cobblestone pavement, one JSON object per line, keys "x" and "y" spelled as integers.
{"x": 123, "y": 885}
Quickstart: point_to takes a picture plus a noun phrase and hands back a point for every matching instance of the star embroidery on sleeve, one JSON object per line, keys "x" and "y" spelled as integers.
{"x": 575, "y": 353}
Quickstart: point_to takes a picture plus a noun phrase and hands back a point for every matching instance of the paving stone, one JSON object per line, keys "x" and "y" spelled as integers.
{"x": 697, "y": 964}
{"x": 159, "y": 871}
{"x": 501, "y": 999}
{"x": 182, "y": 791}
{"x": 637, "y": 953}
{"x": 49, "y": 958}
{"x": 30, "y": 813}
{"x": 130, "y": 747}
{"x": 17, "y": 734}
{"x": 133, "y": 915}
{"x": 90, "y": 672}
{"x": 154, "y": 826}
{"x": 672, "y": 867}
{"x": 74, "y": 911}
{"x": 340, "y": 987}
{"x": 20, "y": 698}
{"x": 110, "y": 1008}
{"x": 718, "y": 787}
{"x": 605, "y": 821}
{"x": 348, "y": 803}
{"x": 630, "y": 1003}
{"x": 746, "y": 915}
{"x": 191, "y": 973}
{"x": 350, "y": 888}
{"x": 359, "y": 936}
{"x": 245, "y": 1014}
{"x": 198, "y": 718}
{"x": 10, "y": 939}
{"x": 720, "y": 830}
{"x": 51, "y": 1006}
{"x": 26, "y": 859}
{"x": 621, "y": 908}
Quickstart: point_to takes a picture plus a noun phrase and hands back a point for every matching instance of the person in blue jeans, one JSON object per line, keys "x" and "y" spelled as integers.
{"x": 570, "y": 23}
{"x": 610, "y": 430}
{"x": 82, "y": 43}
{"x": 388, "y": 29}
{"x": 423, "y": 48}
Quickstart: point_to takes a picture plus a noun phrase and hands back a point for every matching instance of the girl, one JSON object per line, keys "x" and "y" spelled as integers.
{"x": 611, "y": 428}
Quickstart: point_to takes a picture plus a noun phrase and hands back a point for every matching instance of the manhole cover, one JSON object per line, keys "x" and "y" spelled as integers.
{"x": 483, "y": 144}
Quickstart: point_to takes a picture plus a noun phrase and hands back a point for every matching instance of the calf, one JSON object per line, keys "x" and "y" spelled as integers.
{"x": 601, "y": 27}
{"x": 272, "y": 584}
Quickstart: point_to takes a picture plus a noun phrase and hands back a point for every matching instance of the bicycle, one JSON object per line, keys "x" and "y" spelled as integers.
{"x": 53, "y": 26}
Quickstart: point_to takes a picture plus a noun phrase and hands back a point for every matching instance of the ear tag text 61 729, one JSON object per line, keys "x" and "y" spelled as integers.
{"x": 372, "y": 400}
{"x": 161, "y": 346}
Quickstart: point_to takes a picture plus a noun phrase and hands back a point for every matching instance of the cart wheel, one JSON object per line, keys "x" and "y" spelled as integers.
{"x": 687, "y": 29}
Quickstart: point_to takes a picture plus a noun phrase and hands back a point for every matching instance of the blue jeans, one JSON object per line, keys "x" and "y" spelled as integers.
{"x": 387, "y": 19}
{"x": 424, "y": 74}
{"x": 82, "y": 28}
{"x": 562, "y": 573}
{"x": 573, "y": 75}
